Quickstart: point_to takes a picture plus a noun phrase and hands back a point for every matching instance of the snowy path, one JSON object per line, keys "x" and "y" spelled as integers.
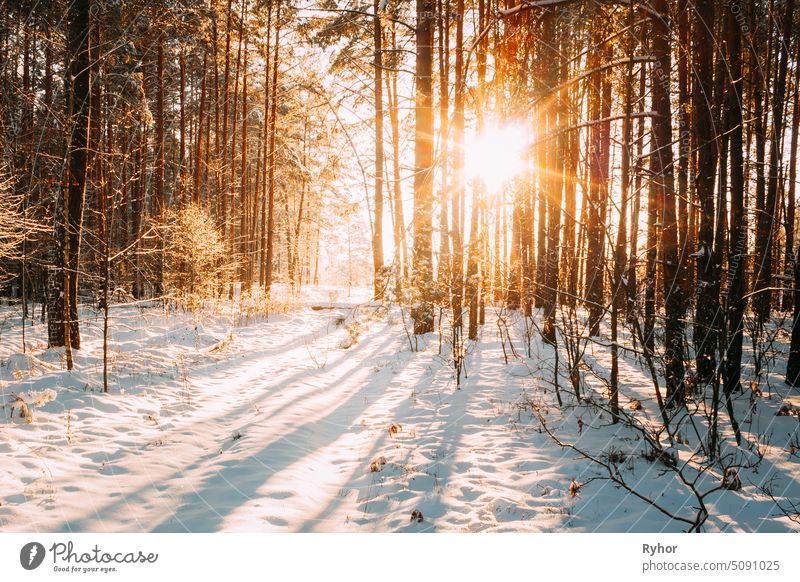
{"x": 278, "y": 428}
{"x": 277, "y": 432}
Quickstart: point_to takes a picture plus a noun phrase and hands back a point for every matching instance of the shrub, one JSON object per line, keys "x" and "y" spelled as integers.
{"x": 195, "y": 261}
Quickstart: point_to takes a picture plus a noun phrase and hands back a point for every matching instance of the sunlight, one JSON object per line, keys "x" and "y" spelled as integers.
{"x": 496, "y": 154}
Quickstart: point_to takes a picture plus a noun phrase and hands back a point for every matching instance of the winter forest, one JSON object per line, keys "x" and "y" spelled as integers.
{"x": 399, "y": 265}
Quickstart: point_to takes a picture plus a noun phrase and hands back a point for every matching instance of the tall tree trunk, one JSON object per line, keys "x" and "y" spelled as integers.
{"x": 399, "y": 231}
{"x": 265, "y": 141}
{"x": 598, "y": 185}
{"x": 160, "y": 197}
{"x": 294, "y": 272}
{"x": 633, "y": 255}
{"x": 78, "y": 91}
{"x": 706, "y": 324}
{"x": 199, "y": 144}
{"x": 618, "y": 291}
{"x": 735, "y": 302}
{"x": 556, "y": 124}
{"x": 791, "y": 299}
{"x": 377, "y": 231}
{"x": 243, "y": 197}
{"x": 273, "y": 117}
{"x": 456, "y": 229}
{"x": 684, "y": 144}
{"x": 422, "y": 313}
{"x": 767, "y": 227}
{"x": 473, "y": 282}
{"x": 179, "y": 195}
{"x": 443, "y": 271}
{"x": 222, "y": 174}
{"x": 138, "y": 204}
{"x": 231, "y": 240}
{"x": 662, "y": 183}
{"x": 569, "y": 254}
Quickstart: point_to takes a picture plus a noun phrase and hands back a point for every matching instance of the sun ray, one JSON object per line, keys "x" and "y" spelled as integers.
{"x": 496, "y": 154}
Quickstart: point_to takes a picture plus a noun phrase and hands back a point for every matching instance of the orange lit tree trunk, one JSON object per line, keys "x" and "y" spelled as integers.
{"x": 422, "y": 312}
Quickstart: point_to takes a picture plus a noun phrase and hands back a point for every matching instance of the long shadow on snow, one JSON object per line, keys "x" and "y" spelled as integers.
{"x": 238, "y": 480}
{"x": 224, "y": 422}
{"x": 401, "y": 414}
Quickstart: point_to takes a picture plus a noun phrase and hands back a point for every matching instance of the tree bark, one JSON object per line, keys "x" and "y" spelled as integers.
{"x": 377, "y": 232}
{"x": 64, "y": 305}
{"x": 422, "y": 313}
{"x": 273, "y": 115}
{"x": 707, "y": 310}
{"x": 662, "y": 185}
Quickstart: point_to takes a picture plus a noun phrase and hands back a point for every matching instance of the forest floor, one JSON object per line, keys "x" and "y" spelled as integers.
{"x": 323, "y": 418}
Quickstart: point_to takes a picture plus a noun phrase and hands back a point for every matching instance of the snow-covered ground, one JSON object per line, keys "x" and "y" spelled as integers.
{"x": 322, "y": 418}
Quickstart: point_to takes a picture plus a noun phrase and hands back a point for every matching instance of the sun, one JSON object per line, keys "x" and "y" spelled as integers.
{"x": 496, "y": 154}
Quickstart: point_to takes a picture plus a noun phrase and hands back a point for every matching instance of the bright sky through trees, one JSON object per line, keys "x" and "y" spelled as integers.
{"x": 497, "y": 154}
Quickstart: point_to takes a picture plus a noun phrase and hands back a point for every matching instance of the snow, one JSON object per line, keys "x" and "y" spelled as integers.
{"x": 321, "y": 418}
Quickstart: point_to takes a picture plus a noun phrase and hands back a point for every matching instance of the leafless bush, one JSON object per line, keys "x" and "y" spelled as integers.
{"x": 195, "y": 261}
{"x": 15, "y": 224}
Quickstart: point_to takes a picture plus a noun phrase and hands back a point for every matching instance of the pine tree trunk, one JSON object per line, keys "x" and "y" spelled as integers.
{"x": 265, "y": 141}
{"x": 160, "y": 198}
{"x": 619, "y": 286}
{"x": 179, "y": 199}
{"x": 556, "y": 120}
{"x": 199, "y": 144}
{"x": 243, "y": 193}
{"x": 684, "y": 144}
{"x": 377, "y": 233}
{"x": 400, "y": 244}
{"x": 662, "y": 183}
{"x": 473, "y": 281}
{"x": 767, "y": 225}
{"x": 273, "y": 117}
{"x": 443, "y": 270}
{"x": 457, "y": 227}
{"x": 422, "y": 312}
{"x": 791, "y": 298}
{"x": 64, "y": 303}
{"x": 706, "y": 324}
{"x": 598, "y": 187}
